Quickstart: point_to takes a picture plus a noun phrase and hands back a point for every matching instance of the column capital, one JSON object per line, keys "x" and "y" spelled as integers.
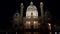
{"x": 41, "y": 4}
{"x": 21, "y": 5}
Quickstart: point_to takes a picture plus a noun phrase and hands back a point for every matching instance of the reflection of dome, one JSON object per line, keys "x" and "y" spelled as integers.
{"x": 31, "y": 9}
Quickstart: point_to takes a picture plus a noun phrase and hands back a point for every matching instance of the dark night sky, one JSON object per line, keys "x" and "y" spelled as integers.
{"x": 9, "y": 7}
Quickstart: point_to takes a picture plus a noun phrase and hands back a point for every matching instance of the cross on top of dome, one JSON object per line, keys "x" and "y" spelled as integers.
{"x": 31, "y": 3}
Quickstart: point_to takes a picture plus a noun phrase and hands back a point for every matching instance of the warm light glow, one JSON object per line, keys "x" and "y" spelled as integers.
{"x": 31, "y": 10}
{"x": 27, "y": 22}
{"x": 28, "y": 13}
{"x": 35, "y": 22}
{"x": 49, "y": 26}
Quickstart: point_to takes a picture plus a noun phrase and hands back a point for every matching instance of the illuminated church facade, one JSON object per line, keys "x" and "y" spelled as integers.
{"x": 31, "y": 19}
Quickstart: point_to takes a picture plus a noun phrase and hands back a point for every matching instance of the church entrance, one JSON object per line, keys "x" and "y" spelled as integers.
{"x": 31, "y": 25}
{"x": 31, "y": 28}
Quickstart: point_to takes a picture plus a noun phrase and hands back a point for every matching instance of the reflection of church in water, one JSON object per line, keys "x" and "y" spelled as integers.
{"x": 31, "y": 19}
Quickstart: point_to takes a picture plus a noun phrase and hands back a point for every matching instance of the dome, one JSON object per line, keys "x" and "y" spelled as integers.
{"x": 31, "y": 9}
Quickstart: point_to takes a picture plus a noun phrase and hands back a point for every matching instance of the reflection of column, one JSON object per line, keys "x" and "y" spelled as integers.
{"x": 21, "y": 17}
{"x": 41, "y": 7}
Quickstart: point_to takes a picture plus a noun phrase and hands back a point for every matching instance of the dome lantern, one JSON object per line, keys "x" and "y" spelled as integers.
{"x": 31, "y": 3}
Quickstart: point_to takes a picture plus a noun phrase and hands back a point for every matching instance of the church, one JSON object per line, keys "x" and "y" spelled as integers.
{"x": 31, "y": 20}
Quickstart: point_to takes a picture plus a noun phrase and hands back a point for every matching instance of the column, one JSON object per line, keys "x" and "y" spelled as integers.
{"x": 42, "y": 14}
{"x": 21, "y": 13}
